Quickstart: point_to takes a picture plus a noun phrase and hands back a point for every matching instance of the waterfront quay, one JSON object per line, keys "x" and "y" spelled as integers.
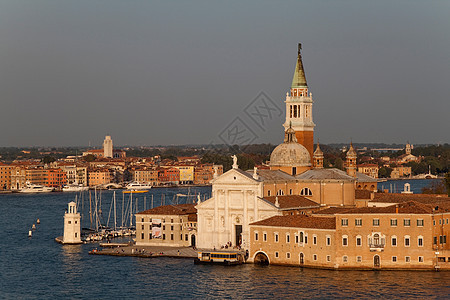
{"x": 146, "y": 251}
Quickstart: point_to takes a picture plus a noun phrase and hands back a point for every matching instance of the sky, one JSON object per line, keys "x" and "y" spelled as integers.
{"x": 190, "y": 72}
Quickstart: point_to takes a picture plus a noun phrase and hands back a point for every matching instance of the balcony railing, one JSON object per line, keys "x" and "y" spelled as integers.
{"x": 376, "y": 246}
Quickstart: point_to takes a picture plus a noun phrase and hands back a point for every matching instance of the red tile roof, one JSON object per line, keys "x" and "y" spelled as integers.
{"x": 292, "y": 201}
{"x": 411, "y": 207}
{"x": 362, "y": 194}
{"x": 180, "y": 209}
{"x": 299, "y": 221}
{"x": 399, "y": 198}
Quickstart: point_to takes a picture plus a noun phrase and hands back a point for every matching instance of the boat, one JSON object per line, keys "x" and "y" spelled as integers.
{"x": 35, "y": 188}
{"x": 219, "y": 257}
{"x": 134, "y": 186}
{"x": 74, "y": 188}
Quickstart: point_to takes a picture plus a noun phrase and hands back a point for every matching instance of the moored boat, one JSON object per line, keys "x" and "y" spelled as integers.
{"x": 135, "y": 186}
{"x": 35, "y": 188}
{"x": 219, "y": 258}
{"x": 74, "y": 188}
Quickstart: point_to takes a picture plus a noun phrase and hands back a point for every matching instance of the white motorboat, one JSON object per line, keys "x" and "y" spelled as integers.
{"x": 75, "y": 188}
{"x": 135, "y": 186}
{"x": 36, "y": 188}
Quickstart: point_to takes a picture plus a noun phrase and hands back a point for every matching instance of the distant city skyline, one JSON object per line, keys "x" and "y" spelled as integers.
{"x": 175, "y": 73}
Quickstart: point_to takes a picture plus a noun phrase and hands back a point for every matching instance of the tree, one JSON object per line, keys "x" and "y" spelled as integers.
{"x": 48, "y": 159}
{"x": 384, "y": 172}
{"x": 447, "y": 183}
{"x": 89, "y": 158}
{"x": 436, "y": 187}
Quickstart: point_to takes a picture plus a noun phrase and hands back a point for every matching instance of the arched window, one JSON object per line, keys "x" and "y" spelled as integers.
{"x": 280, "y": 193}
{"x": 306, "y": 192}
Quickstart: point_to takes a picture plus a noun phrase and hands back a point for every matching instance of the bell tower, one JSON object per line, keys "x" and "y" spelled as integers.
{"x": 299, "y": 107}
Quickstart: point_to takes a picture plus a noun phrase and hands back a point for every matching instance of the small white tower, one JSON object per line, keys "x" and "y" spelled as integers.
{"x": 108, "y": 147}
{"x": 72, "y": 225}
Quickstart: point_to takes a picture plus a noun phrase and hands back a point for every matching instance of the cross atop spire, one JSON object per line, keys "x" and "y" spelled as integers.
{"x": 299, "y": 79}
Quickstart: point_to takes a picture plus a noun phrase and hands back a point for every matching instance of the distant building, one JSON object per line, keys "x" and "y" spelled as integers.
{"x": 5, "y": 176}
{"x": 146, "y": 175}
{"x": 369, "y": 169}
{"x": 99, "y": 153}
{"x": 99, "y": 176}
{"x": 168, "y": 175}
{"x": 108, "y": 147}
{"x": 400, "y": 171}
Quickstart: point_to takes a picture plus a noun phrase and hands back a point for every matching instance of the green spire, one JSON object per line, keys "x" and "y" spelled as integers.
{"x": 299, "y": 79}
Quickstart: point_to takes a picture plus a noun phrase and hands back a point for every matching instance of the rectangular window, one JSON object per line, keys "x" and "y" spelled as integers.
{"x": 393, "y": 222}
{"x": 306, "y": 239}
{"x": 359, "y": 259}
{"x": 394, "y": 242}
{"x": 288, "y": 238}
{"x": 344, "y": 258}
{"x": 420, "y": 242}
{"x": 164, "y": 236}
{"x": 441, "y": 239}
{"x": 276, "y": 254}
{"x": 344, "y": 222}
{"x": 328, "y": 241}
{"x": 288, "y": 255}
{"x": 376, "y": 222}
{"x": 296, "y": 239}
{"x": 344, "y": 241}
{"x": 186, "y": 237}
{"x": 315, "y": 240}
{"x": 394, "y": 258}
{"x": 171, "y": 236}
{"x": 328, "y": 258}
{"x": 276, "y": 237}
{"x": 358, "y": 241}
{"x": 406, "y": 222}
{"x": 435, "y": 240}
{"x": 142, "y": 226}
{"x": 358, "y": 222}
{"x": 420, "y": 222}
{"x": 420, "y": 258}
{"x": 256, "y": 236}
{"x": 315, "y": 257}
{"x": 265, "y": 237}
{"x": 406, "y": 241}
{"x": 407, "y": 259}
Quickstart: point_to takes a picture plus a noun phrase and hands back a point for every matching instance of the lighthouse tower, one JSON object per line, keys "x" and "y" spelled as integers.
{"x": 299, "y": 107}
{"x": 72, "y": 225}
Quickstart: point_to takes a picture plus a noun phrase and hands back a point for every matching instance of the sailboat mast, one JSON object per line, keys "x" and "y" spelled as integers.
{"x": 90, "y": 208}
{"x": 131, "y": 209}
{"x": 115, "y": 216}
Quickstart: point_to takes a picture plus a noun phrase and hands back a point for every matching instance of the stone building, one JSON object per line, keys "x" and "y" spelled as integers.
{"x": 168, "y": 225}
{"x": 410, "y": 235}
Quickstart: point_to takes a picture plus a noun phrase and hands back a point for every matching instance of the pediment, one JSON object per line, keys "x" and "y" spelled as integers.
{"x": 235, "y": 176}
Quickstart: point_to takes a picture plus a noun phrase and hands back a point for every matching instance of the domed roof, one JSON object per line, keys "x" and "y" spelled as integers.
{"x": 290, "y": 153}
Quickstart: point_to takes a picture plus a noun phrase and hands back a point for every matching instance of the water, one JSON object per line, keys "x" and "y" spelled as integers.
{"x": 396, "y": 186}
{"x": 39, "y": 268}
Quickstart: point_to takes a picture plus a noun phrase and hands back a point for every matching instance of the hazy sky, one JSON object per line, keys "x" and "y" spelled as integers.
{"x": 180, "y": 72}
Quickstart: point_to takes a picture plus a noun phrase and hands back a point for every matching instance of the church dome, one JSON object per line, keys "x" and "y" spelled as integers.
{"x": 290, "y": 153}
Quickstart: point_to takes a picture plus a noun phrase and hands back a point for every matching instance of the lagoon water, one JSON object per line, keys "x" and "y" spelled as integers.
{"x": 39, "y": 268}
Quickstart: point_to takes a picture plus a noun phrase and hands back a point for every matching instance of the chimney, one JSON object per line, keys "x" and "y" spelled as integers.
{"x": 396, "y": 209}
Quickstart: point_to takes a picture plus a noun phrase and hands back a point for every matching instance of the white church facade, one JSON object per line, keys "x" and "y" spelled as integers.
{"x": 235, "y": 203}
